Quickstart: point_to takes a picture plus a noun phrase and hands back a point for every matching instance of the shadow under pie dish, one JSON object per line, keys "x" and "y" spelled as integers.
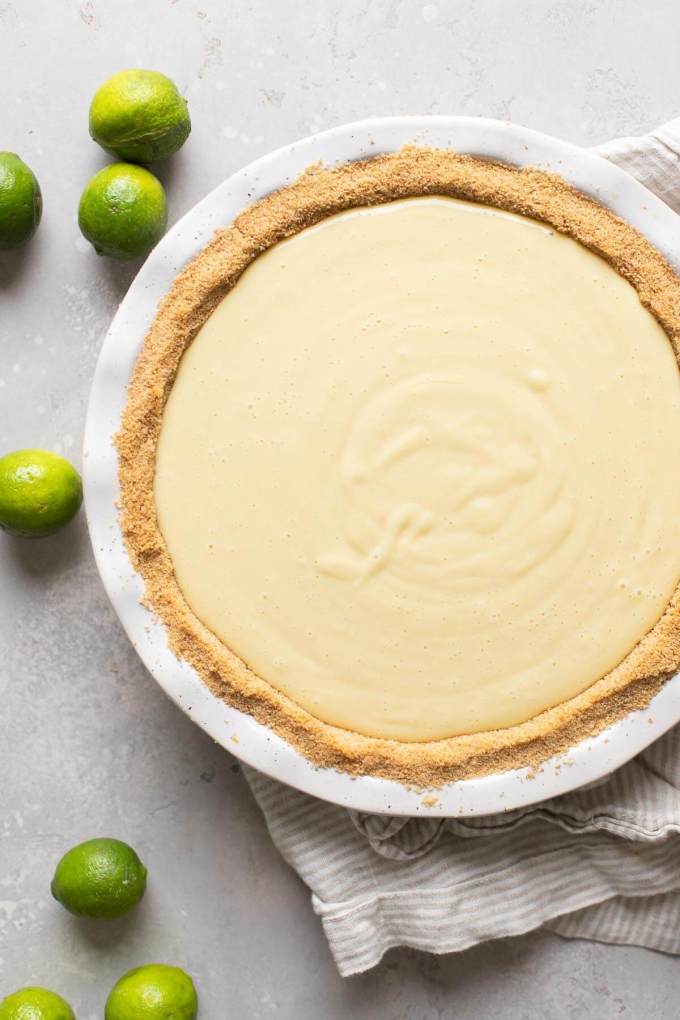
{"x": 399, "y": 466}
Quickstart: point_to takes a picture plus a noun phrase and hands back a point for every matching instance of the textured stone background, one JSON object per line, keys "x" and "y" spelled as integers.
{"x": 88, "y": 743}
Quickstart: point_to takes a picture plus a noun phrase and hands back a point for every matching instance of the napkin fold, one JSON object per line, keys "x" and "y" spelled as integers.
{"x": 600, "y": 863}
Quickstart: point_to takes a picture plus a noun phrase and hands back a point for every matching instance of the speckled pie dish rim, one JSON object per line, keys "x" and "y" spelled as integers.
{"x": 249, "y": 740}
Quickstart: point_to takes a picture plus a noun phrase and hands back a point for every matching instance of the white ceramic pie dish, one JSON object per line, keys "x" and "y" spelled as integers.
{"x": 239, "y": 733}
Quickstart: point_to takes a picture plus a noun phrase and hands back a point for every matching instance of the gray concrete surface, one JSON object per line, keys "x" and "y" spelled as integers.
{"x": 88, "y": 743}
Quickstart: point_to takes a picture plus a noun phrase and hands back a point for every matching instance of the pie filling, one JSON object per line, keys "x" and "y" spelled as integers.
{"x": 420, "y": 469}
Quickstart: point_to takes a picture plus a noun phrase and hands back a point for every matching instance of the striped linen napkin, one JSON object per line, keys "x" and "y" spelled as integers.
{"x": 601, "y": 863}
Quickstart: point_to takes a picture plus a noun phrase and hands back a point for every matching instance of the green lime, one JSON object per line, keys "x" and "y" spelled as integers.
{"x": 139, "y": 116}
{"x": 39, "y": 493}
{"x": 35, "y": 1004}
{"x": 100, "y": 878}
{"x": 123, "y": 211}
{"x": 20, "y": 201}
{"x": 154, "y": 992}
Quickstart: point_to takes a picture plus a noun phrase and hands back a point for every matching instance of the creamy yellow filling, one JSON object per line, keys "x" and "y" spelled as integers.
{"x": 421, "y": 469}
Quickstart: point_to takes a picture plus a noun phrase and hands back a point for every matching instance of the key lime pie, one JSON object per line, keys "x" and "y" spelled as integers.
{"x": 400, "y": 466}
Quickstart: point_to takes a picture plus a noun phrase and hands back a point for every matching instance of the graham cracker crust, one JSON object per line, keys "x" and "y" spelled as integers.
{"x": 318, "y": 193}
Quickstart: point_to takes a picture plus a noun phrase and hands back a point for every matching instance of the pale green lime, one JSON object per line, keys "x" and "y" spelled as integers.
{"x": 154, "y": 992}
{"x": 123, "y": 211}
{"x": 139, "y": 116}
{"x": 100, "y": 878}
{"x": 20, "y": 201}
{"x": 39, "y": 493}
{"x": 35, "y": 1004}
